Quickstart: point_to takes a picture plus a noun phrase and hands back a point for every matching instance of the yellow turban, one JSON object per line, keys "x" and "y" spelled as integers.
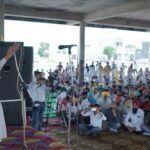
{"x": 105, "y": 93}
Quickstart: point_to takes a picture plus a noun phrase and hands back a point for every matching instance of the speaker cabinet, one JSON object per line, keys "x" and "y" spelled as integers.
{"x": 8, "y": 85}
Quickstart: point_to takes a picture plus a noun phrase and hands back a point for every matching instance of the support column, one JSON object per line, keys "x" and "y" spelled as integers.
{"x": 2, "y": 12}
{"x": 82, "y": 51}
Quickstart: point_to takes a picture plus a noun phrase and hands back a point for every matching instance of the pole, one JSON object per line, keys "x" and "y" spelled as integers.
{"x": 71, "y": 74}
{"x": 78, "y": 137}
{"x": 82, "y": 51}
{"x": 69, "y": 124}
{"x": 2, "y": 12}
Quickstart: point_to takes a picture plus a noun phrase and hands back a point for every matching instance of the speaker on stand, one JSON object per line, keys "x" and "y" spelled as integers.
{"x": 9, "y": 95}
{"x": 27, "y": 70}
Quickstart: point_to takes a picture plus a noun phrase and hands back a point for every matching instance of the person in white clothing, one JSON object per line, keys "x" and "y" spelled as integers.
{"x": 10, "y": 52}
{"x": 105, "y": 101}
{"x": 100, "y": 72}
{"x": 134, "y": 119}
{"x": 96, "y": 118}
{"x": 92, "y": 71}
{"x": 85, "y": 104}
{"x": 107, "y": 70}
{"x": 60, "y": 98}
{"x": 37, "y": 92}
{"x": 130, "y": 72}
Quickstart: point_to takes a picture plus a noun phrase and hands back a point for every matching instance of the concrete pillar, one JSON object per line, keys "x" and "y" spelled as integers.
{"x": 82, "y": 51}
{"x": 2, "y": 12}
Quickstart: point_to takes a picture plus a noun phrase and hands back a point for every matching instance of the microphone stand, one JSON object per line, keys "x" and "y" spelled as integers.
{"x": 71, "y": 74}
{"x": 69, "y": 125}
{"x": 78, "y": 136}
{"x": 69, "y": 111}
{"x": 69, "y": 115}
{"x": 69, "y": 53}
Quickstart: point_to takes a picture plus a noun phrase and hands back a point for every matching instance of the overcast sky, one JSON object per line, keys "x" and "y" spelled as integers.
{"x": 32, "y": 33}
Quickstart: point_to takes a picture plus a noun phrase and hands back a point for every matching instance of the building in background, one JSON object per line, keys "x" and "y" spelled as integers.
{"x": 145, "y": 50}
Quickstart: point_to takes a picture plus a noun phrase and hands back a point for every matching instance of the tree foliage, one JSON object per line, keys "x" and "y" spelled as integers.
{"x": 43, "y": 49}
{"x": 109, "y": 51}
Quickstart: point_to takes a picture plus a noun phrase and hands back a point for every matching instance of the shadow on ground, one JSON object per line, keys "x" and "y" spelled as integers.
{"x": 105, "y": 141}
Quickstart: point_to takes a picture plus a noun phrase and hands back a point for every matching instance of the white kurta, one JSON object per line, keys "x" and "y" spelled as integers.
{"x": 100, "y": 73}
{"x": 2, "y": 63}
{"x": 105, "y": 104}
{"x": 85, "y": 104}
{"x": 130, "y": 74}
{"x": 135, "y": 120}
{"x": 3, "y": 133}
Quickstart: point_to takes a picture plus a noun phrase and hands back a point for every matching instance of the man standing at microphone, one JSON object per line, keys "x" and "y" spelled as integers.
{"x": 9, "y": 54}
{"x": 37, "y": 91}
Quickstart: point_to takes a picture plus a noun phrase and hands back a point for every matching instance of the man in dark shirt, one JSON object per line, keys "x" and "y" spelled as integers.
{"x": 113, "y": 118}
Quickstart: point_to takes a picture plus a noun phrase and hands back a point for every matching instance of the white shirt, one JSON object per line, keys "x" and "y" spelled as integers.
{"x": 85, "y": 104}
{"x": 135, "y": 120}
{"x": 61, "y": 96}
{"x": 2, "y": 63}
{"x": 95, "y": 120}
{"x": 3, "y": 133}
{"x": 105, "y": 104}
{"x": 37, "y": 92}
{"x": 75, "y": 109}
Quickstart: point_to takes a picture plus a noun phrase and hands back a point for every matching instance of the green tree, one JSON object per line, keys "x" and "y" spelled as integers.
{"x": 109, "y": 51}
{"x": 43, "y": 49}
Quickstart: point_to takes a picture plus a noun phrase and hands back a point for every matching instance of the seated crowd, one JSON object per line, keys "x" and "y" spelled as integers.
{"x": 98, "y": 103}
{"x": 105, "y": 100}
{"x": 95, "y": 106}
{"x": 109, "y": 108}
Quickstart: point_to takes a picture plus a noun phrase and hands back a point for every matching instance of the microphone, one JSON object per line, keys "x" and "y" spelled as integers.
{"x": 66, "y": 46}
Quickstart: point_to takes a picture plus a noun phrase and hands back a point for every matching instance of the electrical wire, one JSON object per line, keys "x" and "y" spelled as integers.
{"x": 21, "y": 97}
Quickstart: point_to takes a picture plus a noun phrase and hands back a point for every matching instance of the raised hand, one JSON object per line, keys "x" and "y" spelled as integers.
{"x": 11, "y": 50}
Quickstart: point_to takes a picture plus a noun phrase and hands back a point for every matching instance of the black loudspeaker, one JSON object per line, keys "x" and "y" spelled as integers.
{"x": 8, "y": 74}
{"x": 12, "y": 113}
{"x": 27, "y": 75}
{"x": 8, "y": 85}
{"x": 27, "y": 64}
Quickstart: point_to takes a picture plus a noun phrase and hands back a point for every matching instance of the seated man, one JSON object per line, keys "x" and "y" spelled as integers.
{"x": 64, "y": 109}
{"x": 96, "y": 118}
{"x": 60, "y": 98}
{"x": 85, "y": 104}
{"x": 91, "y": 98}
{"x": 105, "y": 101}
{"x": 126, "y": 107}
{"x": 9, "y": 53}
{"x": 134, "y": 119}
{"x": 113, "y": 118}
